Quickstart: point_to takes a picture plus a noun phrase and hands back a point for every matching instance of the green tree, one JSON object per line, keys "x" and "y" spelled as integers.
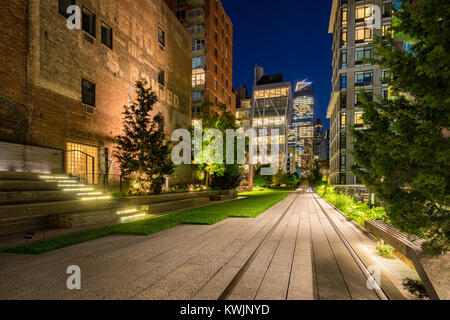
{"x": 218, "y": 175}
{"x": 315, "y": 175}
{"x": 403, "y": 153}
{"x": 143, "y": 152}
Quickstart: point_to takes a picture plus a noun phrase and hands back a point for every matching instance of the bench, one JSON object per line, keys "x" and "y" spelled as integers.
{"x": 433, "y": 271}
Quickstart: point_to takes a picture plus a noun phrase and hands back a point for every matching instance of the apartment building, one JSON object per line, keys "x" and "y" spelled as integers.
{"x": 353, "y": 35}
{"x": 62, "y": 90}
{"x": 212, "y": 51}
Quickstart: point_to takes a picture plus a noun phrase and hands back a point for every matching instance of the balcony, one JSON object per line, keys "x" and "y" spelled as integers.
{"x": 196, "y": 15}
{"x": 197, "y": 32}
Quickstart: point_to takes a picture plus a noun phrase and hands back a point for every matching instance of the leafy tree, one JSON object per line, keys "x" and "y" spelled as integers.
{"x": 403, "y": 153}
{"x": 143, "y": 152}
{"x": 315, "y": 175}
{"x": 218, "y": 175}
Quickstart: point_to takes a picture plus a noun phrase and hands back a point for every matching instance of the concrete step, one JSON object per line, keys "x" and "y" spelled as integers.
{"x": 84, "y": 218}
{"x": 158, "y": 208}
{"x": 27, "y": 185}
{"x": 51, "y": 208}
{"x": 13, "y": 226}
{"x": 26, "y": 197}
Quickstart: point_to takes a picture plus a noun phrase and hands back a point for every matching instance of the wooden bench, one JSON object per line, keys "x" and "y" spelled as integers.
{"x": 433, "y": 271}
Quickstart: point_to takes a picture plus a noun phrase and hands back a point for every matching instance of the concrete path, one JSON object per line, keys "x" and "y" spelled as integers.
{"x": 292, "y": 251}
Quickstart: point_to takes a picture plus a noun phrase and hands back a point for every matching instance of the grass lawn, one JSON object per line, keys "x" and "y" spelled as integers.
{"x": 254, "y": 204}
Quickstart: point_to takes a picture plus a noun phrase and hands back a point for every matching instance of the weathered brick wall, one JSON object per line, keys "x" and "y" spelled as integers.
{"x": 59, "y": 58}
{"x": 14, "y": 107}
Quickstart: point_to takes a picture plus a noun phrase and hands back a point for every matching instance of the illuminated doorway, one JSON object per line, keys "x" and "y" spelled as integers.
{"x": 82, "y": 161}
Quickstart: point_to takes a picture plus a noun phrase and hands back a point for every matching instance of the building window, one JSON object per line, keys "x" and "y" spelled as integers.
{"x": 216, "y": 53}
{"x": 229, "y": 100}
{"x": 385, "y": 93}
{"x": 343, "y": 162}
{"x": 363, "y": 34}
{"x": 107, "y": 35}
{"x": 215, "y": 85}
{"x": 198, "y": 96}
{"x": 161, "y": 38}
{"x": 364, "y": 53}
{"x": 367, "y": 93}
{"x": 89, "y": 22}
{"x": 343, "y": 121}
{"x": 161, "y": 77}
{"x": 364, "y": 78}
{"x": 216, "y": 36}
{"x": 215, "y": 100}
{"x": 82, "y": 161}
{"x": 215, "y": 69}
{"x": 387, "y": 10}
{"x": 181, "y": 14}
{"x": 88, "y": 93}
{"x": 342, "y": 179}
{"x": 198, "y": 45}
{"x": 198, "y": 79}
{"x": 343, "y": 102}
{"x": 216, "y": 21}
{"x": 343, "y": 141}
{"x": 344, "y": 37}
{"x": 344, "y": 16}
{"x": 344, "y": 59}
{"x": 343, "y": 81}
{"x": 359, "y": 123}
{"x": 386, "y": 30}
{"x": 363, "y": 12}
{"x": 385, "y": 75}
{"x": 198, "y": 62}
{"x": 63, "y": 5}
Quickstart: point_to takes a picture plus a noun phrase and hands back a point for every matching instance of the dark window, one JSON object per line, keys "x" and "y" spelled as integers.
{"x": 161, "y": 77}
{"x": 215, "y": 68}
{"x": 344, "y": 59}
{"x": 343, "y": 100}
{"x": 89, "y": 22}
{"x": 63, "y": 5}
{"x": 181, "y": 14}
{"x": 216, "y": 36}
{"x": 88, "y": 92}
{"x": 161, "y": 37}
{"x": 343, "y": 141}
{"x": 107, "y": 35}
{"x": 216, "y": 20}
{"x": 342, "y": 179}
{"x": 215, "y": 52}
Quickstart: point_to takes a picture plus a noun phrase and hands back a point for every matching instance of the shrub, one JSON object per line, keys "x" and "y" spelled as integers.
{"x": 385, "y": 250}
{"x": 415, "y": 287}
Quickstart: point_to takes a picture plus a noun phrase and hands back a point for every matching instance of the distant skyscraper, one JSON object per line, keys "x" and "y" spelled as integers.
{"x": 301, "y": 130}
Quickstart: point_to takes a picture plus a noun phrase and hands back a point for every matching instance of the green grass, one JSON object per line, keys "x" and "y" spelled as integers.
{"x": 354, "y": 210}
{"x": 253, "y": 205}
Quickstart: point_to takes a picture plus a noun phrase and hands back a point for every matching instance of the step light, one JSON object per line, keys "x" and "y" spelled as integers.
{"x": 79, "y": 189}
{"x": 127, "y": 211}
{"x": 89, "y": 194}
{"x": 96, "y": 198}
{"x": 124, "y": 219}
{"x": 54, "y": 177}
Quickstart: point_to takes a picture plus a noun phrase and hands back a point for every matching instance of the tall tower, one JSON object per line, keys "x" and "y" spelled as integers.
{"x": 212, "y": 51}
{"x": 353, "y": 35}
{"x": 301, "y": 130}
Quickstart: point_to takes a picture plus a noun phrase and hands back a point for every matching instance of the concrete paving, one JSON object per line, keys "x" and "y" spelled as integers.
{"x": 302, "y": 258}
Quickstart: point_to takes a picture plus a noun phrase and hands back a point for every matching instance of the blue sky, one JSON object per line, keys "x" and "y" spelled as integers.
{"x": 285, "y": 36}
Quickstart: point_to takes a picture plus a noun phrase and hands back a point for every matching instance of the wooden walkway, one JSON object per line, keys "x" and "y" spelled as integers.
{"x": 292, "y": 251}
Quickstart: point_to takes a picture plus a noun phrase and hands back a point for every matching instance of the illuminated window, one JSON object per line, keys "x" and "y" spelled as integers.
{"x": 82, "y": 161}
{"x": 343, "y": 81}
{"x": 198, "y": 62}
{"x": 344, "y": 16}
{"x": 359, "y": 123}
{"x": 344, "y": 37}
{"x": 363, "y": 12}
{"x": 343, "y": 121}
{"x": 198, "y": 79}
{"x": 363, "y": 33}
{"x": 386, "y": 30}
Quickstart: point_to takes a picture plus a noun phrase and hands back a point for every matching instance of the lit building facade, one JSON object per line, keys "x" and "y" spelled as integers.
{"x": 301, "y": 130}
{"x": 353, "y": 75}
{"x": 271, "y": 110}
{"x": 212, "y": 51}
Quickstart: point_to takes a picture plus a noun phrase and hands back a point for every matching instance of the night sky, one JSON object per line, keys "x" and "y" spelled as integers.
{"x": 283, "y": 36}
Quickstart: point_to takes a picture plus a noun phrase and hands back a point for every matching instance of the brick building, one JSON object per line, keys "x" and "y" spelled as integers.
{"x": 65, "y": 89}
{"x": 212, "y": 50}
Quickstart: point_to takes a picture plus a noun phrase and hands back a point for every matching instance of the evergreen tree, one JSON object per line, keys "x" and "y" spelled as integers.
{"x": 403, "y": 153}
{"x": 143, "y": 152}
